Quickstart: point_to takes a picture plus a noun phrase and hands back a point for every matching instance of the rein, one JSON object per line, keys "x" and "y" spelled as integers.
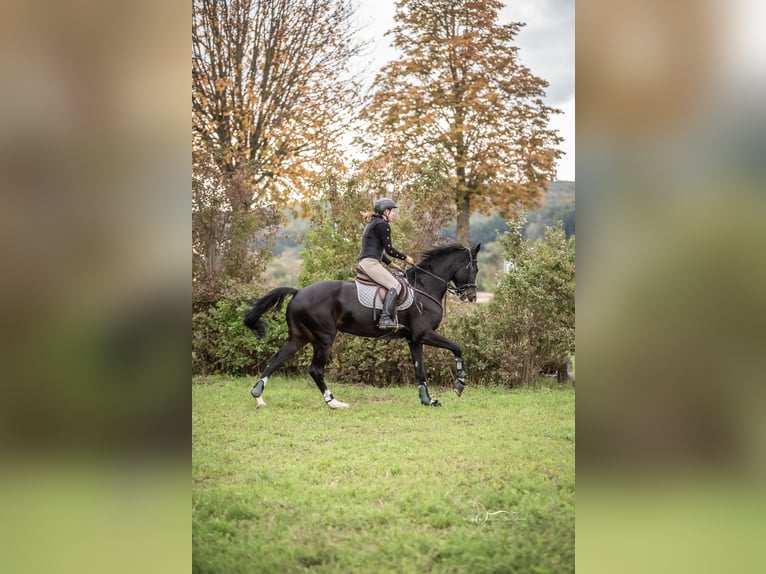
{"x": 431, "y": 297}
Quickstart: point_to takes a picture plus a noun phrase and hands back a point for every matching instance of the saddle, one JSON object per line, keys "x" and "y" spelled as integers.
{"x": 370, "y": 298}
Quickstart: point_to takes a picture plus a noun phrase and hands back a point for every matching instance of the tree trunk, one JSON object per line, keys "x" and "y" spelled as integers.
{"x": 463, "y": 197}
{"x": 463, "y": 230}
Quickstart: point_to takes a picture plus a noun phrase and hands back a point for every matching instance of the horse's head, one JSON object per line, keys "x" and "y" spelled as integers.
{"x": 447, "y": 264}
{"x": 464, "y": 278}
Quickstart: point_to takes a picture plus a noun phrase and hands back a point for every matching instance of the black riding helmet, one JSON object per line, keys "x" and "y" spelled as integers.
{"x": 384, "y": 203}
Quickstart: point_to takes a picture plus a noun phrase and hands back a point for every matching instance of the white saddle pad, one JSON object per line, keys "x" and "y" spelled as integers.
{"x": 366, "y": 296}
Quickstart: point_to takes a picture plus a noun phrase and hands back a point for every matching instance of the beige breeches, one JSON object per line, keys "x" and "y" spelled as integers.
{"x": 378, "y": 273}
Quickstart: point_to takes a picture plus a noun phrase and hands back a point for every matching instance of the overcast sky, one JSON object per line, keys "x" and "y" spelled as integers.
{"x": 547, "y": 47}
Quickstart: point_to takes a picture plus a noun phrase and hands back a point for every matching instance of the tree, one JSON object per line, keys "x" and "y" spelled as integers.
{"x": 228, "y": 245}
{"x": 271, "y": 97}
{"x": 333, "y": 239}
{"x": 460, "y": 98}
{"x": 270, "y": 85}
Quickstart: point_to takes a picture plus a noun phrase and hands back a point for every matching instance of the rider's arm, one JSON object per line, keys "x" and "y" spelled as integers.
{"x": 385, "y": 237}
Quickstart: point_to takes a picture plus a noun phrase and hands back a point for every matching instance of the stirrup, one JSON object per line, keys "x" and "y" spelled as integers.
{"x": 387, "y": 322}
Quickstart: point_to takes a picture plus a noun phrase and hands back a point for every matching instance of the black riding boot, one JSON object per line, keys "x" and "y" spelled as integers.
{"x": 385, "y": 321}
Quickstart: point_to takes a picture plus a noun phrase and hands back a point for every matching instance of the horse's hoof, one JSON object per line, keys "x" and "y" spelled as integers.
{"x": 260, "y": 403}
{"x": 435, "y": 403}
{"x": 336, "y": 404}
{"x": 458, "y": 387}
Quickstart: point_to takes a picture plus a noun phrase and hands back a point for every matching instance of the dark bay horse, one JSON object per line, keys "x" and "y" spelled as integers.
{"x": 318, "y": 311}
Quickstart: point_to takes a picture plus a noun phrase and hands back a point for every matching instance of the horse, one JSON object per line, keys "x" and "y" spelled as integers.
{"x": 318, "y": 311}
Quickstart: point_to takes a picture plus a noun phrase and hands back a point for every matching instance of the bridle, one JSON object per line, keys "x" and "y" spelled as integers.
{"x": 459, "y": 290}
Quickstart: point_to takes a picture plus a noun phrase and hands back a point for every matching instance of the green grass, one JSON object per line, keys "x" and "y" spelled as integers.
{"x": 387, "y": 485}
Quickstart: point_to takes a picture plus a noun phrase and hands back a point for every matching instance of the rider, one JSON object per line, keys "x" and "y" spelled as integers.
{"x": 375, "y": 240}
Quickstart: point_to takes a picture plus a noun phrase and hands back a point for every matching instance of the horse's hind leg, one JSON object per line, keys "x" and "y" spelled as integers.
{"x": 288, "y": 349}
{"x": 316, "y": 370}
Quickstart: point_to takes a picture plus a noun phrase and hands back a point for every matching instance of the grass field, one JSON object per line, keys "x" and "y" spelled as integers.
{"x": 485, "y": 483}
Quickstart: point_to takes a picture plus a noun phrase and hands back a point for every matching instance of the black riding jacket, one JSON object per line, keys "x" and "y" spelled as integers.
{"x": 377, "y": 238}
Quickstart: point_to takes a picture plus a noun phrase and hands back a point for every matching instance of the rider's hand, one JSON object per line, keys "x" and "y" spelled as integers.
{"x": 394, "y": 266}
{"x": 410, "y": 260}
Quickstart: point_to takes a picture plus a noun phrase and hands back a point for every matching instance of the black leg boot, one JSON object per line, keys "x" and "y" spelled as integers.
{"x": 385, "y": 321}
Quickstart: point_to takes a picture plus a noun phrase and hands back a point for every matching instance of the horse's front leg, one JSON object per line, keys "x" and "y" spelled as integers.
{"x": 434, "y": 339}
{"x": 416, "y": 350}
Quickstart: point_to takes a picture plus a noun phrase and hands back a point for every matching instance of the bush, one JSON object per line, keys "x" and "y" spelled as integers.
{"x": 530, "y": 319}
{"x": 222, "y": 344}
{"x": 377, "y": 362}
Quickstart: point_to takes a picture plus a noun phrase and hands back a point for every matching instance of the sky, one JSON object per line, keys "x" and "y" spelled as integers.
{"x": 546, "y": 46}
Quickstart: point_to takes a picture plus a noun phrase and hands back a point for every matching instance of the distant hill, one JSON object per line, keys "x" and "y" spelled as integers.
{"x": 291, "y": 235}
{"x": 558, "y": 203}
{"x": 560, "y": 192}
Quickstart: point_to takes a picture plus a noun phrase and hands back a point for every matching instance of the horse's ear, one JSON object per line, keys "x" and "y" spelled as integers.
{"x": 476, "y": 248}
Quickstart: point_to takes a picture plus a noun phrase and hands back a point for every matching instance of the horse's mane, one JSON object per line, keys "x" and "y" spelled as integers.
{"x": 436, "y": 252}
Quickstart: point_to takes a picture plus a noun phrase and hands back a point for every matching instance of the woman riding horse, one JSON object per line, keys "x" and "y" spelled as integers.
{"x": 317, "y": 312}
{"x": 376, "y": 239}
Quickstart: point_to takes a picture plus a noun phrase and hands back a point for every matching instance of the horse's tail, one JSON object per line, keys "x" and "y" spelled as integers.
{"x": 272, "y": 299}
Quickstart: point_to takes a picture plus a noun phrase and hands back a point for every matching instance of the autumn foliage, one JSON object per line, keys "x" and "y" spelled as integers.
{"x": 459, "y": 97}
{"x": 270, "y": 87}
